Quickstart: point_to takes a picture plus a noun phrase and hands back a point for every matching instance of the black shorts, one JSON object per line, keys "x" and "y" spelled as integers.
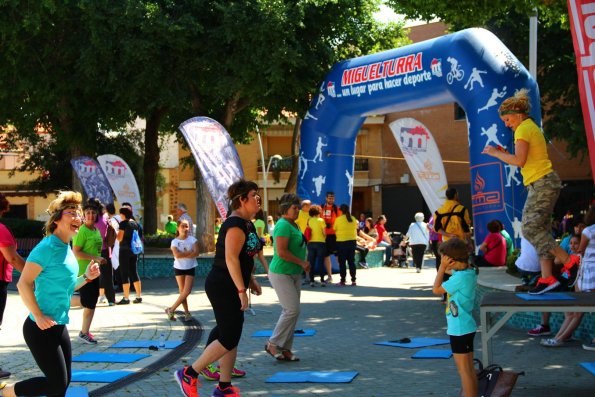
{"x": 184, "y": 272}
{"x": 462, "y": 344}
{"x": 89, "y": 294}
{"x": 331, "y": 244}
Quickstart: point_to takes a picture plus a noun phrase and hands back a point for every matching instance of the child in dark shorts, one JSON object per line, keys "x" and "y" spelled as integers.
{"x": 461, "y": 326}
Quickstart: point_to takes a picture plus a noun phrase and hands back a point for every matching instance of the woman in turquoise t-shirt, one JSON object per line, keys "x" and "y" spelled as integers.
{"x": 285, "y": 274}
{"x": 46, "y": 286}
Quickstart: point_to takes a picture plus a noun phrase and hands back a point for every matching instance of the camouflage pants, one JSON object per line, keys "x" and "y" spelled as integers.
{"x": 537, "y": 213}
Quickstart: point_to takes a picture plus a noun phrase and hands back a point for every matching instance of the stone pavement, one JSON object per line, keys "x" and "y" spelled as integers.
{"x": 387, "y": 304}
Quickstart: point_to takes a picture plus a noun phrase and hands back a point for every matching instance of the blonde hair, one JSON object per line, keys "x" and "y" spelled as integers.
{"x": 65, "y": 200}
{"x": 519, "y": 103}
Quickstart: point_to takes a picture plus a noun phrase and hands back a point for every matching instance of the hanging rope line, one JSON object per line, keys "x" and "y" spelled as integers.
{"x": 388, "y": 158}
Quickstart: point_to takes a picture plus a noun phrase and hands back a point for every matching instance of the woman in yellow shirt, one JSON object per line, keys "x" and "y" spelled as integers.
{"x": 346, "y": 231}
{"x": 543, "y": 185}
{"x": 316, "y": 245}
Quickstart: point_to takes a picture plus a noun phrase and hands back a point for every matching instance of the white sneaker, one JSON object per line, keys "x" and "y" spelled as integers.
{"x": 102, "y": 299}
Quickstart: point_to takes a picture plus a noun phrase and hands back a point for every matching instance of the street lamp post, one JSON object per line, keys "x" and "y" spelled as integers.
{"x": 265, "y": 180}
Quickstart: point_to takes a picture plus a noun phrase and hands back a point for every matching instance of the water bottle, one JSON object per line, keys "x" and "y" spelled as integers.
{"x": 162, "y": 340}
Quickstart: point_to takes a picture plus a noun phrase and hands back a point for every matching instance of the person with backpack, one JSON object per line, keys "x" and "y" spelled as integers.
{"x": 453, "y": 219}
{"x": 128, "y": 236}
{"x": 106, "y": 280}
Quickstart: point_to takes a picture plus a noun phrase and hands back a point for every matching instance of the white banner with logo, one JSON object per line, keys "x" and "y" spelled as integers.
{"x": 216, "y": 156}
{"x": 122, "y": 181}
{"x": 423, "y": 158}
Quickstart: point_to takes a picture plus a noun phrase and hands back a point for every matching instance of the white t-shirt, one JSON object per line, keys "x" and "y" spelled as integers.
{"x": 587, "y": 272}
{"x": 184, "y": 246}
{"x": 528, "y": 260}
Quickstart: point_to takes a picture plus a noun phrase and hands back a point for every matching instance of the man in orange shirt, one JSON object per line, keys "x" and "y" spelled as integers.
{"x": 330, "y": 212}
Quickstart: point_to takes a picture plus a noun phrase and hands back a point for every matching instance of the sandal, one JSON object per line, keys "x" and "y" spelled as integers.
{"x": 289, "y": 356}
{"x": 278, "y": 355}
{"x": 552, "y": 342}
{"x": 170, "y": 314}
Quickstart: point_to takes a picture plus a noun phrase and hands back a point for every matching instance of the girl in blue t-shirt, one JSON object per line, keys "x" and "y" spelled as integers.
{"x": 46, "y": 285}
{"x": 460, "y": 290}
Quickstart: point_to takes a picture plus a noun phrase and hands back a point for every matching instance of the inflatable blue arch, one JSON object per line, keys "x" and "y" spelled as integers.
{"x": 471, "y": 67}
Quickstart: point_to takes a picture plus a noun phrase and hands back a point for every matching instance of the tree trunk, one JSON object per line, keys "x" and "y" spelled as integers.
{"x": 292, "y": 180}
{"x": 205, "y": 215}
{"x": 151, "y": 168}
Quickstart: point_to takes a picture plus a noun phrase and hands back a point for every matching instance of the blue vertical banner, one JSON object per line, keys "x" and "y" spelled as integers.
{"x": 216, "y": 157}
{"x": 92, "y": 178}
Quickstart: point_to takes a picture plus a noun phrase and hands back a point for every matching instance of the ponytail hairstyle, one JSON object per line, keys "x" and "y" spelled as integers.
{"x": 517, "y": 104}
{"x": 345, "y": 210}
{"x": 65, "y": 200}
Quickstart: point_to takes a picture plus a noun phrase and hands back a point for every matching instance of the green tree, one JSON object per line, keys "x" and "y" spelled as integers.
{"x": 509, "y": 20}
{"x": 98, "y": 65}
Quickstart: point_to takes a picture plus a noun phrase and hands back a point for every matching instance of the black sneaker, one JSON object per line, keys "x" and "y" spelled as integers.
{"x": 124, "y": 301}
{"x": 4, "y": 374}
{"x": 137, "y": 300}
{"x": 545, "y": 285}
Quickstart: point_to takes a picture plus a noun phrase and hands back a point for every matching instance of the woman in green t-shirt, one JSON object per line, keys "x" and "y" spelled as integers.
{"x": 285, "y": 274}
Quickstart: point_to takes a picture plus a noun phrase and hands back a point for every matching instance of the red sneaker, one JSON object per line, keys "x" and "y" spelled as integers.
{"x": 570, "y": 269}
{"x": 188, "y": 384}
{"x": 227, "y": 392}
{"x": 544, "y": 285}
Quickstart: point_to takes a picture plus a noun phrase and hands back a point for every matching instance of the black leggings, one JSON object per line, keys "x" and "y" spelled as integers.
{"x": 3, "y": 297}
{"x": 226, "y": 303}
{"x": 106, "y": 278}
{"x": 128, "y": 271}
{"x": 53, "y": 354}
{"x": 417, "y": 250}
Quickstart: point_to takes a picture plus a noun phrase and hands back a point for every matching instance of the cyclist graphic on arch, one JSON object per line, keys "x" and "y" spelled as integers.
{"x": 456, "y": 72}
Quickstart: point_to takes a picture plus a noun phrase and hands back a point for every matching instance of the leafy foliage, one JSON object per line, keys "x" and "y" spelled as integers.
{"x": 80, "y": 67}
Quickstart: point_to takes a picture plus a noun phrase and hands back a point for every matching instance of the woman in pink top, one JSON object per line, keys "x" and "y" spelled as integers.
{"x": 493, "y": 247}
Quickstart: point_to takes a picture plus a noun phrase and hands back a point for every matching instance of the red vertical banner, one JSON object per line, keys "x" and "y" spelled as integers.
{"x": 582, "y": 25}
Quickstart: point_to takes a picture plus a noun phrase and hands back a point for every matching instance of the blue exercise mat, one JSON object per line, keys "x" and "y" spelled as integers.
{"x": 589, "y": 367}
{"x": 432, "y": 353}
{"x": 312, "y": 377}
{"x": 169, "y": 344}
{"x": 548, "y": 296}
{"x": 92, "y": 357}
{"x": 297, "y": 332}
{"x": 415, "y": 343}
{"x": 77, "y": 391}
{"x": 98, "y": 376}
